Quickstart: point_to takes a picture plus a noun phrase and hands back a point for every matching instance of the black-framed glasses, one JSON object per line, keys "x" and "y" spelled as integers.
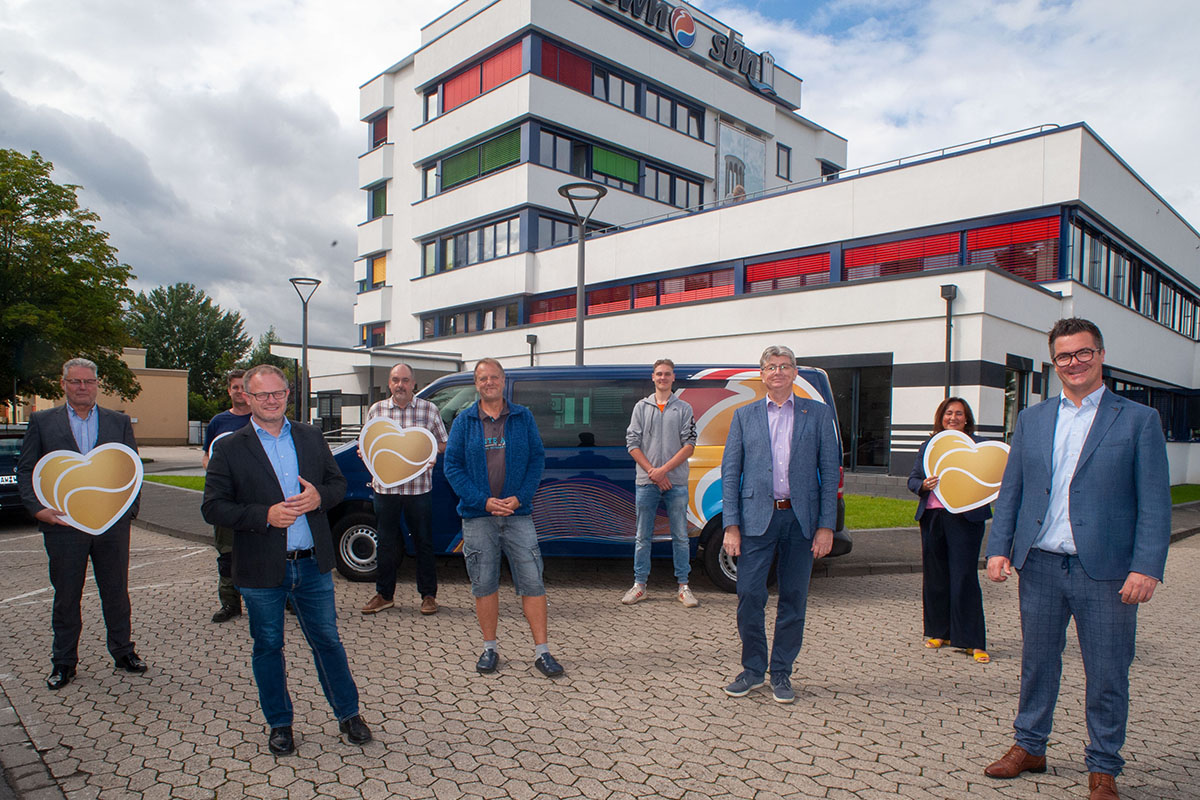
{"x": 262, "y": 396}
{"x": 1082, "y": 355}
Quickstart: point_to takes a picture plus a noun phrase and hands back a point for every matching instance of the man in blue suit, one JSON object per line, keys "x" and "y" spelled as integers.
{"x": 1084, "y": 516}
{"x": 779, "y": 480}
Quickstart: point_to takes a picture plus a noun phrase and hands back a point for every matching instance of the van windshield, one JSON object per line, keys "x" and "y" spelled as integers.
{"x": 450, "y": 400}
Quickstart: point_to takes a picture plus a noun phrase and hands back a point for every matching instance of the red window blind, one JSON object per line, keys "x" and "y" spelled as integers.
{"x": 703, "y": 286}
{"x": 645, "y": 295}
{"x": 566, "y": 68}
{"x": 552, "y": 308}
{"x": 788, "y": 267}
{"x": 925, "y": 247}
{"x": 606, "y": 301}
{"x": 379, "y": 130}
{"x": 461, "y": 88}
{"x": 501, "y": 67}
{"x": 1034, "y": 230}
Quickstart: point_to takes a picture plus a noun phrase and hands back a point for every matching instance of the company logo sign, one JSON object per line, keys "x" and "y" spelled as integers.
{"x": 969, "y": 472}
{"x": 654, "y": 14}
{"x": 91, "y": 492}
{"x": 683, "y": 28}
{"x": 395, "y": 455}
{"x": 757, "y": 68}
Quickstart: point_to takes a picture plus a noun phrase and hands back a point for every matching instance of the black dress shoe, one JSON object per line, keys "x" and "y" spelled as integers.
{"x": 60, "y": 677}
{"x": 546, "y": 665}
{"x": 280, "y": 741}
{"x": 227, "y": 613}
{"x": 131, "y": 663}
{"x": 355, "y": 730}
{"x": 487, "y": 662}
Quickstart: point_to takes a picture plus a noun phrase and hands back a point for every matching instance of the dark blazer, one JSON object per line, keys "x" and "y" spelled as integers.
{"x": 918, "y": 476}
{"x": 50, "y": 430}
{"x": 1122, "y": 522}
{"x": 747, "y": 477}
{"x": 241, "y": 485}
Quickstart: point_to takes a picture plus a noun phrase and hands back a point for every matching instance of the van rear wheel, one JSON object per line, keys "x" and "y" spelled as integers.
{"x": 721, "y": 567}
{"x": 355, "y": 546}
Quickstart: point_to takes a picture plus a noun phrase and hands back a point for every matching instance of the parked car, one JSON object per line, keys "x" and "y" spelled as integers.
{"x": 584, "y": 507}
{"x": 10, "y": 449}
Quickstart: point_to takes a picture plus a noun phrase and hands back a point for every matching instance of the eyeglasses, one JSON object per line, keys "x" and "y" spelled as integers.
{"x": 1083, "y": 356}
{"x": 262, "y": 396}
{"x": 772, "y": 368}
{"x": 77, "y": 382}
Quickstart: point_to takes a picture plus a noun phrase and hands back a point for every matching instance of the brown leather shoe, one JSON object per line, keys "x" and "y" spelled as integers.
{"x": 429, "y": 605}
{"x": 1102, "y": 786}
{"x": 377, "y": 604}
{"x": 1014, "y": 762}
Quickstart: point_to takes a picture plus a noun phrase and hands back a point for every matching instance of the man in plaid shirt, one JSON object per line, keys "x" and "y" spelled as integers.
{"x": 412, "y": 499}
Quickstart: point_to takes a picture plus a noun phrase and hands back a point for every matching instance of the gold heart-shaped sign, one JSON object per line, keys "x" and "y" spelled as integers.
{"x": 90, "y": 491}
{"x": 969, "y": 472}
{"x": 395, "y": 455}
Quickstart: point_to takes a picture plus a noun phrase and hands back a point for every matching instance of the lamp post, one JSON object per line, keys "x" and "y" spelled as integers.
{"x": 305, "y": 288}
{"x": 949, "y": 292}
{"x": 581, "y": 193}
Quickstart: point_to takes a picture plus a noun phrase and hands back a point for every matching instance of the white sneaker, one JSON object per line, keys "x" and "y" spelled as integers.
{"x": 686, "y": 597}
{"x": 635, "y": 594}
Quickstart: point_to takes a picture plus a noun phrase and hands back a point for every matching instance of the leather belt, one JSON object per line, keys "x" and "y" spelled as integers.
{"x": 780, "y": 505}
{"x": 296, "y": 555}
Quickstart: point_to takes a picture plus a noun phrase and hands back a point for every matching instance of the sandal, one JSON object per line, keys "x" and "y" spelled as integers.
{"x": 980, "y": 656}
{"x": 934, "y": 644}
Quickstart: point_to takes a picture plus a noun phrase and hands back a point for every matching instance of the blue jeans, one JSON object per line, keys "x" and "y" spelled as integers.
{"x": 311, "y": 594}
{"x": 484, "y": 538}
{"x": 675, "y": 499}
{"x": 1052, "y": 589}
{"x": 795, "y": 570}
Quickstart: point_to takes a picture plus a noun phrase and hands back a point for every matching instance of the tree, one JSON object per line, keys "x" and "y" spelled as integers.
{"x": 61, "y": 286}
{"x": 182, "y": 328}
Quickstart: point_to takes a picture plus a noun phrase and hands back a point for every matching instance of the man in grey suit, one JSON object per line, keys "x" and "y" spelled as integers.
{"x": 779, "y": 480}
{"x": 80, "y": 425}
{"x": 1084, "y": 516}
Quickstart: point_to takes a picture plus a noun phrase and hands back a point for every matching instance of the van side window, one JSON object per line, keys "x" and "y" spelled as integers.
{"x": 450, "y": 400}
{"x": 582, "y": 413}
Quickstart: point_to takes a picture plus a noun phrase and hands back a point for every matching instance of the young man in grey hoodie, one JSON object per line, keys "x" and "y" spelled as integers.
{"x": 661, "y": 437}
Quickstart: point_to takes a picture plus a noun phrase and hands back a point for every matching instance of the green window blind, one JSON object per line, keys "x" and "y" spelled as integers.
{"x": 459, "y": 168}
{"x": 501, "y": 151}
{"x": 614, "y": 164}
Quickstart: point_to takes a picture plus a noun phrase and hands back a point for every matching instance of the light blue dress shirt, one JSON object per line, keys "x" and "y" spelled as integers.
{"x": 779, "y": 423}
{"x": 1070, "y": 432}
{"x": 281, "y": 451}
{"x": 86, "y": 430}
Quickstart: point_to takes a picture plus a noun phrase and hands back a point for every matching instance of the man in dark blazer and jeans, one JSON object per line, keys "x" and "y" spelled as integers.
{"x": 81, "y": 425}
{"x": 271, "y": 482}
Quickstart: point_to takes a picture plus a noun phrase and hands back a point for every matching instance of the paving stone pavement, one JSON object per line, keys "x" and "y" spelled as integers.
{"x": 639, "y": 714}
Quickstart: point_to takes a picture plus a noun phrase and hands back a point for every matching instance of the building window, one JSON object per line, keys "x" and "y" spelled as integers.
{"x": 783, "y": 161}
{"x": 431, "y": 104}
{"x": 614, "y": 89}
{"x": 373, "y": 335}
{"x": 552, "y": 232}
{"x": 377, "y": 207}
{"x": 563, "y": 66}
{"x": 616, "y": 169}
{"x": 551, "y": 309}
{"x": 561, "y": 153}
{"x": 466, "y": 247}
{"x": 481, "y": 159}
{"x": 429, "y": 181}
{"x": 377, "y": 271}
{"x": 606, "y": 301}
{"x": 379, "y": 130}
{"x": 1026, "y": 249}
{"x": 787, "y": 273}
{"x": 481, "y": 77}
{"x": 895, "y": 258}
{"x": 829, "y": 172}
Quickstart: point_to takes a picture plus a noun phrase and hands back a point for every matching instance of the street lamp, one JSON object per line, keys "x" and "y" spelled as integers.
{"x": 949, "y": 292}
{"x": 305, "y": 288}
{"x": 581, "y": 193}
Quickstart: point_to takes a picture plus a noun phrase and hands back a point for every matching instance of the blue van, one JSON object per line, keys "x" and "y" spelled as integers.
{"x": 584, "y": 507}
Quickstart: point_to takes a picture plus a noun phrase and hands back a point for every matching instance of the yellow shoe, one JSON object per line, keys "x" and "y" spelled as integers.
{"x": 934, "y": 644}
{"x": 980, "y": 656}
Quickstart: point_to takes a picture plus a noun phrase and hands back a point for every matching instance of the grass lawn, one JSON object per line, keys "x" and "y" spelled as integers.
{"x": 186, "y": 481}
{"x": 1185, "y": 493}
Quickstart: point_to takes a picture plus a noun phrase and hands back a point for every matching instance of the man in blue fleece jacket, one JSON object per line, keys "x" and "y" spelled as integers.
{"x": 494, "y": 461}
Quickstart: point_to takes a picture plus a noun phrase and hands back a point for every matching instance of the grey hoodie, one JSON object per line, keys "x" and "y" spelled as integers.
{"x": 660, "y": 435}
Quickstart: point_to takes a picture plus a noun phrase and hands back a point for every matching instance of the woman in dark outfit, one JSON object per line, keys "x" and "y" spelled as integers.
{"x": 950, "y": 550}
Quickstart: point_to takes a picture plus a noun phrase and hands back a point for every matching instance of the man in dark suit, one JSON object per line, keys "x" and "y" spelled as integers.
{"x": 271, "y": 482}
{"x": 80, "y": 425}
{"x": 779, "y": 480}
{"x": 1084, "y": 516}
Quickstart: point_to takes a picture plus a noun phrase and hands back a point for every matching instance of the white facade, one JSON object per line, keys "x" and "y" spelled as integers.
{"x": 1029, "y": 228}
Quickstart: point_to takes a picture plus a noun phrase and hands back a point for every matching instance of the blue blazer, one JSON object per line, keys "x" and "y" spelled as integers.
{"x": 747, "y": 478}
{"x": 1121, "y": 497}
{"x": 918, "y": 476}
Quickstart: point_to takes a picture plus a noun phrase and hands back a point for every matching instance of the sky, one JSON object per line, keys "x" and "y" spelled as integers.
{"x": 218, "y": 140}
